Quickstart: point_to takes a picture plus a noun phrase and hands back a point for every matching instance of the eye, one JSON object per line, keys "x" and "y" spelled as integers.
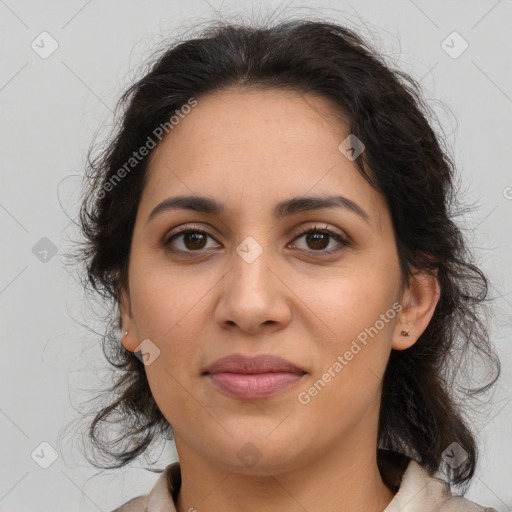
{"x": 318, "y": 239}
{"x": 192, "y": 240}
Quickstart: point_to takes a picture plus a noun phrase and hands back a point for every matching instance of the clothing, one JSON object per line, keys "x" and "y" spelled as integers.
{"x": 416, "y": 490}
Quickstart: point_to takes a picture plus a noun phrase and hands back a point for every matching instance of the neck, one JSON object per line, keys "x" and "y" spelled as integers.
{"x": 347, "y": 480}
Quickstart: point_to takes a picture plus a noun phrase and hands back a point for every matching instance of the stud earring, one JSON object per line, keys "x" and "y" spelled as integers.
{"x": 126, "y": 333}
{"x": 404, "y": 333}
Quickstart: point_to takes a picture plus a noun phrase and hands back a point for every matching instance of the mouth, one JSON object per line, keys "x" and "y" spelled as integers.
{"x": 254, "y": 377}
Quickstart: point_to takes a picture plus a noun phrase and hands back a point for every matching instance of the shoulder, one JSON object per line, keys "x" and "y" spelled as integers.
{"x": 420, "y": 492}
{"x": 160, "y": 497}
{"x": 138, "y": 504}
{"x": 457, "y": 503}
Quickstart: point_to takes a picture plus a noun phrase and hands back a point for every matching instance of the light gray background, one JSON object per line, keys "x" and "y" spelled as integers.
{"x": 50, "y": 110}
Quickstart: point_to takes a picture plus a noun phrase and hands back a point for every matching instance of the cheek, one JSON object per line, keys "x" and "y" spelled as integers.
{"x": 356, "y": 310}
{"x": 168, "y": 311}
{"x": 352, "y": 299}
{"x": 169, "y": 314}
{"x": 164, "y": 298}
{"x": 345, "y": 386}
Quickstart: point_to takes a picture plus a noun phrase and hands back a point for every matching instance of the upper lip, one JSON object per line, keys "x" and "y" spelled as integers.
{"x": 262, "y": 363}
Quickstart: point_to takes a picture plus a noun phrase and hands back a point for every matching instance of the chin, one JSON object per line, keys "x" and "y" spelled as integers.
{"x": 257, "y": 453}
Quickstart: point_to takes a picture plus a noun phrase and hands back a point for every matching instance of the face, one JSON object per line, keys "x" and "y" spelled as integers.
{"x": 247, "y": 281}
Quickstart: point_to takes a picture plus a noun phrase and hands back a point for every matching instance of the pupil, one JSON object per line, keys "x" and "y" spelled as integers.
{"x": 195, "y": 239}
{"x": 311, "y": 236}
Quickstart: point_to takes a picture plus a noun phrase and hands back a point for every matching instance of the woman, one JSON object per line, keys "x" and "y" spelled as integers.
{"x": 272, "y": 221}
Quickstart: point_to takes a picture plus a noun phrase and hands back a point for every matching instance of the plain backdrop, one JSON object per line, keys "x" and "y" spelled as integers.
{"x": 63, "y": 66}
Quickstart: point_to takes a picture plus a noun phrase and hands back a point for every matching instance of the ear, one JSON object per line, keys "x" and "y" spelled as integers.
{"x": 418, "y": 304}
{"x": 129, "y": 341}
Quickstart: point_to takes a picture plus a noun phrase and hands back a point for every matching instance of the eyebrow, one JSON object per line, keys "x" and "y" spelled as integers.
{"x": 282, "y": 209}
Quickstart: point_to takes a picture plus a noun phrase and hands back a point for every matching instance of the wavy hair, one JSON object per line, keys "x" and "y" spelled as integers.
{"x": 404, "y": 159}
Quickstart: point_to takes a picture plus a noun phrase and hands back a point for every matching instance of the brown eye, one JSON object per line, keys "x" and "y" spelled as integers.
{"x": 192, "y": 240}
{"x": 317, "y": 240}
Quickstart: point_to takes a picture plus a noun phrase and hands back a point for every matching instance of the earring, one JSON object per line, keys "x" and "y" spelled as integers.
{"x": 404, "y": 333}
{"x": 126, "y": 333}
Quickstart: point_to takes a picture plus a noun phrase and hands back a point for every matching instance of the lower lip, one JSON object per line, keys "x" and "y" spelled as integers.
{"x": 253, "y": 385}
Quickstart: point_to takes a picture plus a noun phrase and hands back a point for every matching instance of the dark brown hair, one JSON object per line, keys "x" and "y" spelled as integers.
{"x": 404, "y": 159}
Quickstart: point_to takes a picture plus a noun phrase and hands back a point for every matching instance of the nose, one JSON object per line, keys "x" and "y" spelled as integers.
{"x": 253, "y": 295}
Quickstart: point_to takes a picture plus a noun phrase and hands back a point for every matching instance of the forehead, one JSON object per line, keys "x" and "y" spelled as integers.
{"x": 270, "y": 124}
{"x": 247, "y": 147}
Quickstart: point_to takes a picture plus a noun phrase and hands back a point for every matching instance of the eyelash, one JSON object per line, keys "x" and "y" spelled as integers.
{"x": 315, "y": 229}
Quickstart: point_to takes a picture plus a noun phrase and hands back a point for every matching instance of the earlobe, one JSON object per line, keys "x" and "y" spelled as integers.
{"x": 129, "y": 338}
{"x": 418, "y": 306}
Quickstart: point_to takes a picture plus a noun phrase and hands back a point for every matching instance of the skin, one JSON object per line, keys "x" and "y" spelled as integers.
{"x": 250, "y": 150}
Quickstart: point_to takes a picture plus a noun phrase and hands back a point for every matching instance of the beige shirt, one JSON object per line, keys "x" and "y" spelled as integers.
{"x": 418, "y": 492}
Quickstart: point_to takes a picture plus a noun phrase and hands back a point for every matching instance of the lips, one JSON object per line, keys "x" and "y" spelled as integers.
{"x": 255, "y": 377}
{"x": 264, "y": 363}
